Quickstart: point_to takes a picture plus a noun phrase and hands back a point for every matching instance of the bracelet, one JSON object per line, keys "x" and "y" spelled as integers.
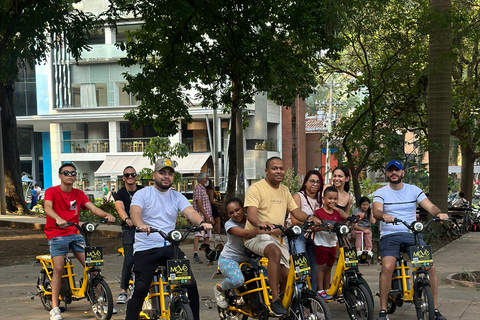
{"x": 127, "y": 218}
{"x": 203, "y": 221}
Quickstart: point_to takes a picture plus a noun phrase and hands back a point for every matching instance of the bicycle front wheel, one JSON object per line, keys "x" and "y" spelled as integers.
{"x": 312, "y": 307}
{"x": 183, "y": 311}
{"x": 423, "y": 299}
{"x": 359, "y": 302}
{"x": 102, "y": 300}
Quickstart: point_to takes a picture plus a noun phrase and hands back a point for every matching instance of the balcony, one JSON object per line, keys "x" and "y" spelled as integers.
{"x": 101, "y": 52}
{"x": 133, "y": 144}
{"x": 259, "y": 144}
{"x": 85, "y": 146}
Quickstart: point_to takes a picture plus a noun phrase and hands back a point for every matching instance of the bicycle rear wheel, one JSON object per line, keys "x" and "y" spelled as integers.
{"x": 43, "y": 284}
{"x": 183, "y": 311}
{"x": 102, "y": 300}
{"x": 312, "y": 307}
{"x": 423, "y": 299}
{"x": 359, "y": 302}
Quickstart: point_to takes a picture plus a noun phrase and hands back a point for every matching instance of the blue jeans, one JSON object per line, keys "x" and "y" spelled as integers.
{"x": 128, "y": 238}
{"x": 306, "y": 245}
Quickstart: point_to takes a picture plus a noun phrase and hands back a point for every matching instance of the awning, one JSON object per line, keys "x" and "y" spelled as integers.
{"x": 113, "y": 165}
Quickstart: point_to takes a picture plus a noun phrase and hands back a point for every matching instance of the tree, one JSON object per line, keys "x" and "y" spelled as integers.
{"x": 439, "y": 99}
{"x": 28, "y": 31}
{"x": 225, "y": 52}
{"x": 383, "y": 58}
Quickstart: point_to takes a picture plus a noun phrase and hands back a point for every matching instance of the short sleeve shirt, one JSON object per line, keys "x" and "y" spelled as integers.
{"x": 234, "y": 248}
{"x": 200, "y": 192}
{"x": 160, "y": 211}
{"x": 126, "y": 197}
{"x": 325, "y": 238}
{"x": 67, "y": 205}
{"x": 272, "y": 203}
{"x": 400, "y": 204}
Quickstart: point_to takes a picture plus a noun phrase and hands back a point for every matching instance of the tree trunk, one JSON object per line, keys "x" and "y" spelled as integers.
{"x": 468, "y": 160}
{"x": 15, "y": 200}
{"x": 439, "y": 101}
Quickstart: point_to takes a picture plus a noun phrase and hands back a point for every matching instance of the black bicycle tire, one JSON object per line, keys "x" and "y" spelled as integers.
{"x": 368, "y": 301}
{"x": 109, "y": 299}
{"x": 185, "y": 308}
{"x": 429, "y": 296}
{"x": 307, "y": 297}
{"x": 45, "y": 282}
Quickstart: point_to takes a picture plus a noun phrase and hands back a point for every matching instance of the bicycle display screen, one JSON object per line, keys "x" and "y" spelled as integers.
{"x": 93, "y": 256}
{"x": 421, "y": 256}
{"x": 178, "y": 272}
{"x": 300, "y": 264}
{"x": 350, "y": 256}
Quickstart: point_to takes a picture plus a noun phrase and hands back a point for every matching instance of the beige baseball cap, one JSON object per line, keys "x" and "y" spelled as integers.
{"x": 163, "y": 163}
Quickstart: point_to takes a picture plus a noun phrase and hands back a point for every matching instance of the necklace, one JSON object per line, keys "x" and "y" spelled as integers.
{"x": 131, "y": 195}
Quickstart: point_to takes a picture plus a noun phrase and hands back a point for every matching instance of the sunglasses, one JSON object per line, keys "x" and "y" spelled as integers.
{"x": 67, "y": 173}
{"x": 128, "y": 175}
{"x": 315, "y": 181}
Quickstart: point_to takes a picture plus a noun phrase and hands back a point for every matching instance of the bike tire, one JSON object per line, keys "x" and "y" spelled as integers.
{"x": 183, "y": 311}
{"x": 312, "y": 307}
{"x": 102, "y": 300}
{"x": 359, "y": 302}
{"x": 225, "y": 314}
{"x": 423, "y": 300}
{"x": 45, "y": 282}
{"x": 391, "y": 306}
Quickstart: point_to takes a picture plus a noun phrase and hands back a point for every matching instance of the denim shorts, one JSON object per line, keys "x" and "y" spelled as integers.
{"x": 59, "y": 246}
{"x": 390, "y": 244}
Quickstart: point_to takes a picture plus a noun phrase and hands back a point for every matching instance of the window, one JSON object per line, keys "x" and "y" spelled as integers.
{"x": 124, "y": 98}
{"x": 89, "y": 95}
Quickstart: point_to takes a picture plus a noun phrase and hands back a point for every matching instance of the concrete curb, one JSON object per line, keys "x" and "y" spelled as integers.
{"x": 450, "y": 279}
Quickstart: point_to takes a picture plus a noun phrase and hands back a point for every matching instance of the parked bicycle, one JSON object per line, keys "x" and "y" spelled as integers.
{"x": 167, "y": 291}
{"x": 414, "y": 288}
{"x": 348, "y": 284}
{"x": 253, "y": 298}
{"x": 91, "y": 286}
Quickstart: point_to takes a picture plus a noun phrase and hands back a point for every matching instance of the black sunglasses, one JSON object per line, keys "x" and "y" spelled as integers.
{"x": 127, "y": 175}
{"x": 66, "y": 173}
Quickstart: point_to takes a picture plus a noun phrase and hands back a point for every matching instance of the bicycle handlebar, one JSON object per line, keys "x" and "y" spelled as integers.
{"x": 410, "y": 226}
{"x": 173, "y": 238}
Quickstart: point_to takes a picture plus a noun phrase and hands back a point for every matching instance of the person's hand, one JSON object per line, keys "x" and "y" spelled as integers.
{"x": 361, "y": 215}
{"x": 144, "y": 228}
{"x": 60, "y": 222}
{"x": 110, "y": 218}
{"x": 442, "y": 216}
{"x": 129, "y": 222}
{"x": 367, "y": 231}
{"x": 315, "y": 220}
{"x": 207, "y": 226}
{"x": 387, "y": 218}
{"x": 265, "y": 225}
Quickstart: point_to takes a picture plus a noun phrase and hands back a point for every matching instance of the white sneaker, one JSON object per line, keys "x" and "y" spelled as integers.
{"x": 55, "y": 314}
{"x": 218, "y": 237}
{"x": 122, "y": 298}
{"x": 370, "y": 253}
{"x": 220, "y": 298}
{"x": 359, "y": 253}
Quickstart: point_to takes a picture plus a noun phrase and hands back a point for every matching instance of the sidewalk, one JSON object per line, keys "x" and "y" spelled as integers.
{"x": 454, "y": 302}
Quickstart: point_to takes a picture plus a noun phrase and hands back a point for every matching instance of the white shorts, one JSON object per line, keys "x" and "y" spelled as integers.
{"x": 261, "y": 241}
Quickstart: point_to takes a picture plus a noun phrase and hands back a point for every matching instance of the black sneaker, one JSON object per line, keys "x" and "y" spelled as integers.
{"x": 383, "y": 315}
{"x": 438, "y": 315}
{"x": 278, "y": 309}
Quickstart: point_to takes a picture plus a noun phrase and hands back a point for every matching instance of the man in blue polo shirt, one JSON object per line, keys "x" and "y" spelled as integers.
{"x": 399, "y": 200}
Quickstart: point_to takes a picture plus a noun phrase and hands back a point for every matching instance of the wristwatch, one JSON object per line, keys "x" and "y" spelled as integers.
{"x": 203, "y": 221}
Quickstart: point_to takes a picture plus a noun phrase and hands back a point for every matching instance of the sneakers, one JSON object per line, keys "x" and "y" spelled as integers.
{"x": 55, "y": 314}
{"x": 220, "y": 298}
{"x": 278, "y": 309}
{"x": 370, "y": 253}
{"x": 218, "y": 238}
{"x": 197, "y": 259}
{"x": 438, "y": 315}
{"x": 359, "y": 253}
{"x": 323, "y": 294}
{"x": 383, "y": 315}
{"x": 122, "y": 298}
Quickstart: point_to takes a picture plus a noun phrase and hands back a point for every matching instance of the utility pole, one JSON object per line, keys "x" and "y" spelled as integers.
{"x": 329, "y": 130}
{"x": 3, "y": 204}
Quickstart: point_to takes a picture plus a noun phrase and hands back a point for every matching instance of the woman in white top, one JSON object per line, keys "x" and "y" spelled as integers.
{"x": 309, "y": 199}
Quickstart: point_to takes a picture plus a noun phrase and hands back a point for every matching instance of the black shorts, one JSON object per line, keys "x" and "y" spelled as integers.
{"x": 215, "y": 212}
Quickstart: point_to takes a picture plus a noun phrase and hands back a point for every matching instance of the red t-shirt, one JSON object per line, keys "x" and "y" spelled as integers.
{"x": 325, "y": 238}
{"x": 67, "y": 205}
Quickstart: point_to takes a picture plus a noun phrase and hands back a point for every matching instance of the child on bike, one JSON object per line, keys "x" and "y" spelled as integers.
{"x": 234, "y": 252}
{"x": 364, "y": 225}
{"x": 325, "y": 241}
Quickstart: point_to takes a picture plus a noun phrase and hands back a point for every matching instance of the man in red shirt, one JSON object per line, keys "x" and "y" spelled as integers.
{"x": 62, "y": 204}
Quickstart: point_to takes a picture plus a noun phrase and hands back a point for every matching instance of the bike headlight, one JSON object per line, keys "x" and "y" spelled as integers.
{"x": 176, "y": 235}
{"x": 90, "y": 227}
{"x": 296, "y": 230}
{"x": 418, "y": 226}
{"x": 344, "y": 229}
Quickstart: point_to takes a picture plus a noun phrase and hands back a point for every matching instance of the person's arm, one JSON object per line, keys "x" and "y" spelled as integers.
{"x": 377, "y": 209}
{"x": 242, "y": 233}
{"x": 48, "y": 207}
{"x": 196, "y": 218}
{"x": 252, "y": 217}
{"x": 120, "y": 207}
{"x": 99, "y": 212}
{"x": 302, "y": 216}
{"x": 298, "y": 202}
{"x": 433, "y": 209}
